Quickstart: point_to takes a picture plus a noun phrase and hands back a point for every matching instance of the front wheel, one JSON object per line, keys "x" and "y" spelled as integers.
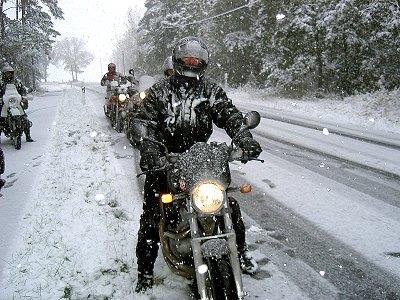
{"x": 119, "y": 126}
{"x": 220, "y": 281}
{"x": 106, "y": 111}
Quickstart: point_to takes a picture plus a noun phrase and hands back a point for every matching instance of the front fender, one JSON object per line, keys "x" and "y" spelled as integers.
{"x": 15, "y": 111}
{"x": 215, "y": 248}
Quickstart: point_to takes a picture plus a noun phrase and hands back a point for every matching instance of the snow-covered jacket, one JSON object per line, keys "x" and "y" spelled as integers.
{"x": 110, "y": 77}
{"x": 18, "y": 84}
{"x": 179, "y": 115}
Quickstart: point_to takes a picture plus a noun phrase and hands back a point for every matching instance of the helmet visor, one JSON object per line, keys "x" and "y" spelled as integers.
{"x": 192, "y": 61}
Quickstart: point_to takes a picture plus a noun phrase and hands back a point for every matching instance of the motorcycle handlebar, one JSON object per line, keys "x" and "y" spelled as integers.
{"x": 237, "y": 154}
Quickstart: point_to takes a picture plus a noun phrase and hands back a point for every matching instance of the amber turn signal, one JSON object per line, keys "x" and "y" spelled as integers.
{"x": 167, "y": 198}
{"x": 246, "y": 188}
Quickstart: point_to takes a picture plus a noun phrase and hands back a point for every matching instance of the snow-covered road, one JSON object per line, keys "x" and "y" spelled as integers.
{"x": 321, "y": 227}
{"x": 23, "y": 167}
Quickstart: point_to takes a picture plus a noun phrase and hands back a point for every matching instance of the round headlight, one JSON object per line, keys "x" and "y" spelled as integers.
{"x": 208, "y": 197}
{"x": 142, "y": 95}
{"x": 122, "y": 97}
{"x": 12, "y": 100}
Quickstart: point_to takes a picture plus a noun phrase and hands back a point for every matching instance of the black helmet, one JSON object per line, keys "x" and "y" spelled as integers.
{"x": 168, "y": 65}
{"x": 190, "y": 57}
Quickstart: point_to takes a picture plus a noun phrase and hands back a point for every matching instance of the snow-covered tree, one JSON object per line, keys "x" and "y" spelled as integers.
{"x": 72, "y": 54}
{"x": 163, "y": 24}
{"x": 125, "y": 54}
{"x": 341, "y": 46}
{"x": 26, "y": 40}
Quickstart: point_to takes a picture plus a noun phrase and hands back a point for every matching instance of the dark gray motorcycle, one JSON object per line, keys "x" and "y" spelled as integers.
{"x": 196, "y": 233}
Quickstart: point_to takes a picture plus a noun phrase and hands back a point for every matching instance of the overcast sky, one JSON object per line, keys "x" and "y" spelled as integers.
{"x": 99, "y": 23}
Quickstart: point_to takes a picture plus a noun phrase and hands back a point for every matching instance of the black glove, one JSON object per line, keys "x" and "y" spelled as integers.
{"x": 151, "y": 161}
{"x": 250, "y": 147}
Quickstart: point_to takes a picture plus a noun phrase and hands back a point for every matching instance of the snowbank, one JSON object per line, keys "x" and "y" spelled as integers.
{"x": 78, "y": 232}
{"x": 377, "y": 111}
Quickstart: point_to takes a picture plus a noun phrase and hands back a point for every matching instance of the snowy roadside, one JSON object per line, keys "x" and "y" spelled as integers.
{"x": 78, "y": 232}
{"x": 368, "y": 225}
{"x": 378, "y": 111}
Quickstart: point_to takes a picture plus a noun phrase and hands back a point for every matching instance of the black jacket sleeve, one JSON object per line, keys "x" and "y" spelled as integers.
{"x": 225, "y": 114}
{"x": 146, "y": 119}
{"x": 103, "y": 80}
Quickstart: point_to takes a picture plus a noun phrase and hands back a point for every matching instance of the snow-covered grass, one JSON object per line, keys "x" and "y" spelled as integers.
{"x": 77, "y": 235}
{"x": 378, "y": 111}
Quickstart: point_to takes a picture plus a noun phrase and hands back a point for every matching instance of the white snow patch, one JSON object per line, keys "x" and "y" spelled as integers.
{"x": 202, "y": 269}
{"x": 280, "y": 17}
{"x": 254, "y": 229}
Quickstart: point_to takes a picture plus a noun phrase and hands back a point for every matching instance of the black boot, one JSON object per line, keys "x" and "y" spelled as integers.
{"x": 247, "y": 263}
{"x": 29, "y": 139}
{"x": 27, "y": 129}
{"x": 28, "y": 135}
{"x": 144, "y": 282}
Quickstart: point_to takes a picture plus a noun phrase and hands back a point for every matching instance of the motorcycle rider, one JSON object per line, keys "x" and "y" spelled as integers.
{"x": 9, "y": 78}
{"x": 111, "y": 75}
{"x": 179, "y": 111}
{"x": 168, "y": 66}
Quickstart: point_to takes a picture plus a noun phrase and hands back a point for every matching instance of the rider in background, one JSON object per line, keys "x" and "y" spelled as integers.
{"x": 111, "y": 75}
{"x": 9, "y": 78}
{"x": 168, "y": 67}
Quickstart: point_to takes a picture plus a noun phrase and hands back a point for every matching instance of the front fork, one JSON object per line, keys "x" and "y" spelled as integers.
{"x": 198, "y": 257}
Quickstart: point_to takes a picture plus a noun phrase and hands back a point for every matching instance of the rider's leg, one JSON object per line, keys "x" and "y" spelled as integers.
{"x": 148, "y": 236}
{"x": 247, "y": 262}
{"x": 27, "y": 128}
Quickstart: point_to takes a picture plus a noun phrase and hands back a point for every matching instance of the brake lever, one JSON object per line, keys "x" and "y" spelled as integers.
{"x": 163, "y": 168}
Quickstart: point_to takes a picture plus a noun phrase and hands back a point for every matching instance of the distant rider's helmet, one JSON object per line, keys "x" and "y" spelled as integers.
{"x": 8, "y": 72}
{"x": 190, "y": 57}
{"x": 112, "y": 67}
{"x": 168, "y": 66}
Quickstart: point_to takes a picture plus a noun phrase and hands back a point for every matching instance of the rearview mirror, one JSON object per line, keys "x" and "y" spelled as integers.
{"x": 132, "y": 72}
{"x": 252, "y": 119}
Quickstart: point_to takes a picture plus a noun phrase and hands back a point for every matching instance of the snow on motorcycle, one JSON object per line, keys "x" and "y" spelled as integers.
{"x": 197, "y": 237}
{"x": 135, "y": 101}
{"x": 13, "y": 111}
{"x": 112, "y": 92}
{"x": 126, "y": 107}
{"x": 116, "y": 106}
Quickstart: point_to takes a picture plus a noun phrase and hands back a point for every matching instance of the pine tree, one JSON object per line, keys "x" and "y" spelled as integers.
{"x": 27, "y": 40}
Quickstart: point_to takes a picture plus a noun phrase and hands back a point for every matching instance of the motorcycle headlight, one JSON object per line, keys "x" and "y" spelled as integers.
{"x": 122, "y": 97}
{"x": 142, "y": 95}
{"x": 208, "y": 197}
{"x": 12, "y": 100}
